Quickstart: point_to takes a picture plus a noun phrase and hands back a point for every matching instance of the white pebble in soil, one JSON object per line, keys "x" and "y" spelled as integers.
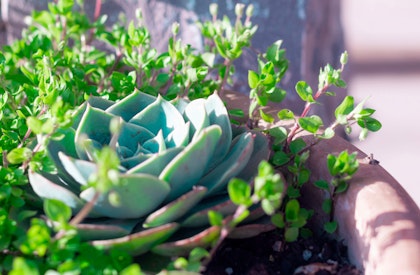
{"x": 229, "y": 270}
{"x": 306, "y": 254}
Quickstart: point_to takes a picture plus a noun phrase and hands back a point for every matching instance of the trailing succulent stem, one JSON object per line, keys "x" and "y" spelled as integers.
{"x": 111, "y": 154}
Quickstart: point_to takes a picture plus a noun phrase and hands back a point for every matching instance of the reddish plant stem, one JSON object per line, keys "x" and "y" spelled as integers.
{"x": 83, "y": 213}
{"x": 305, "y": 112}
{"x": 85, "y": 210}
{"x": 97, "y": 12}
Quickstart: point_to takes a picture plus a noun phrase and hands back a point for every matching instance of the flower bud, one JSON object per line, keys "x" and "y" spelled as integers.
{"x": 344, "y": 58}
{"x": 213, "y": 9}
{"x": 249, "y": 10}
{"x": 175, "y": 28}
{"x": 239, "y": 9}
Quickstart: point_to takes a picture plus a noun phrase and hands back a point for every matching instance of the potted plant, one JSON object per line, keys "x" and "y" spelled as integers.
{"x": 110, "y": 151}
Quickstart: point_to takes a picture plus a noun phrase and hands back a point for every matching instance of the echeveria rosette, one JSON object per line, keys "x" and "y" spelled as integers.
{"x": 176, "y": 160}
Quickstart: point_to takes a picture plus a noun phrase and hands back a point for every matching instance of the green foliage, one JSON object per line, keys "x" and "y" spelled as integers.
{"x": 341, "y": 168}
{"x": 264, "y": 84}
{"x": 61, "y": 62}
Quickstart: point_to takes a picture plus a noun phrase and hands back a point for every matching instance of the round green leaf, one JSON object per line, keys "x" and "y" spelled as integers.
{"x": 57, "y": 211}
{"x": 292, "y": 210}
{"x": 239, "y": 192}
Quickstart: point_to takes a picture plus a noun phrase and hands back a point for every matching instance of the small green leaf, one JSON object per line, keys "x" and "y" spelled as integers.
{"x": 370, "y": 123}
{"x": 208, "y": 58}
{"x": 322, "y": 184}
{"x": 291, "y": 234}
{"x": 276, "y": 95}
{"x": 286, "y": 114}
{"x": 331, "y": 160}
{"x": 292, "y": 210}
{"x": 19, "y": 155}
{"x": 341, "y": 187}
{"x": 278, "y": 220}
{"x": 303, "y": 176}
{"x": 363, "y": 134}
{"x": 236, "y": 112}
{"x": 344, "y": 58}
{"x": 253, "y": 79}
{"x": 24, "y": 266}
{"x": 305, "y": 233}
{"x": 57, "y": 210}
{"x": 279, "y": 134}
{"x": 304, "y": 91}
{"x": 297, "y": 145}
{"x": 345, "y": 107}
{"x": 328, "y": 133}
{"x": 197, "y": 254}
{"x": 292, "y": 192}
{"x": 133, "y": 269}
{"x": 34, "y": 124}
{"x": 280, "y": 158}
{"x": 330, "y": 227}
{"x": 310, "y": 124}
{"x": 239, "y": 192}
{"x": 215, "y": 218}
{"x": 266, "y": 117}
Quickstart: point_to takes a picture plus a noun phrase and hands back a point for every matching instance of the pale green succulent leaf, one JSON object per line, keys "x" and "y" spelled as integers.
{"x": 93, "y": 101}
{"x": 141, "y": 242}
{"x": 176, "y": 209}
{"x": 160, "y": 115}
{"x": 47, "y": 189}
{"x": 100, "y": 229}
{"x": 187, "y": 168}
{"x": 131, "y": 105}
{"x": 232, "y": 165}
{"x": 131, "y": 135}
{"x": 260, "y": 152}
{"x": 66, "y": 145}
{"x": 139, "y": 194}
{"x": 195, "y": 112}
{"x": 156, "y": 163}
{"x": 94, "y": 125}
{"x": 200, "y": 218}
{"x": 156, "y": 144}
{"x": 180, "y": 104}
{"x": 250, "y": 230}
{"x": 179, "y": 136}
{"x": 135, "y": 160}
{"x": 218, "y": 114}
{"x": 79, "y": 170}
{"x": 182, "y": 247}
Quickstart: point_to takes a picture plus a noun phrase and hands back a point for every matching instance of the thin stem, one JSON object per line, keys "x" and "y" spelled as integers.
{"x": 97, "y": 12}
{"x": 84, "y": 212}
{"x": 306, "y": 110}
{"x": 228, "y": 64}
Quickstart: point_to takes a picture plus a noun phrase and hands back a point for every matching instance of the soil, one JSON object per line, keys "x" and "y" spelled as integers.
{"x": 266, "y": 254}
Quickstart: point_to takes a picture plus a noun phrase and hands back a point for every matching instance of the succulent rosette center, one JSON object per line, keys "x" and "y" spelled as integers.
{"x": 176, "y": 158}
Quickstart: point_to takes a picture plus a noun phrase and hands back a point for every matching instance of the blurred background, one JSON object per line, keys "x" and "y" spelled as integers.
{"x": 383, "y": 41}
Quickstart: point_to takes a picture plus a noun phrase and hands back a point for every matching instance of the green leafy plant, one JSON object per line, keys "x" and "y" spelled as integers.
{"x": 341, "y": 168}
{"x": 109, "y": 149}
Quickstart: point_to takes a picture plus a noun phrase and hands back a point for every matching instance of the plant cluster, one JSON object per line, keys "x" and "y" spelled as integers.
{"x": 76, "y": 126}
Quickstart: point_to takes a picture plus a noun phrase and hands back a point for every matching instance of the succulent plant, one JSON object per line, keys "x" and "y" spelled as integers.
{"x": 176, "y": 159}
